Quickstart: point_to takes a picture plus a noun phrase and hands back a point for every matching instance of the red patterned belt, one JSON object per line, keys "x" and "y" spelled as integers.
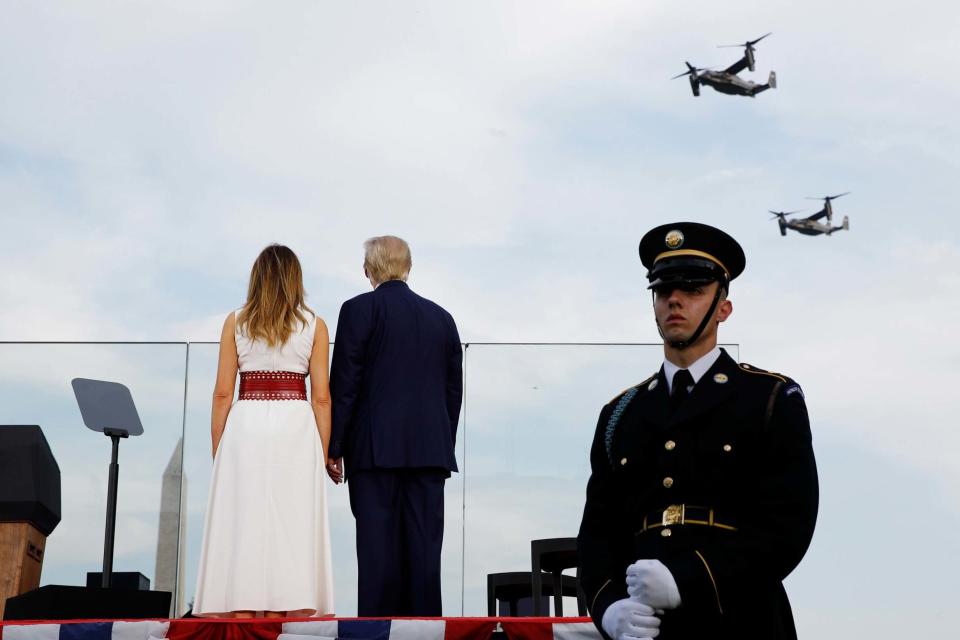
{"x": 273, "y": 385}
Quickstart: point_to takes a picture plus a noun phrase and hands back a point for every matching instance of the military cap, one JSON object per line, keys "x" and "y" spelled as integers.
{"x": 690, "y": 253}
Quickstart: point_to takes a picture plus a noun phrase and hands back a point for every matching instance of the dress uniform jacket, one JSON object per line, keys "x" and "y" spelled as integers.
{"x": 733, "y": 468}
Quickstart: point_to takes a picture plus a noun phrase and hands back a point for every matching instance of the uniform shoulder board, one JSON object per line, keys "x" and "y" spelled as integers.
{"x": 749, "y": 368}
{"x": 631, "y": 388}
{"x": 782, "y": 384}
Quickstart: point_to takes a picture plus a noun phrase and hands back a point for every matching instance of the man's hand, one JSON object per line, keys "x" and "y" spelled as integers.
{"x": 335, "y": 469}
{"x": 628, "y": 619}
{"x": 650, "y": 582}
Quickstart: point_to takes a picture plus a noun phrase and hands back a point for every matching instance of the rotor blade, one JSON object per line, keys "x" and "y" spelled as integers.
{"x": 829, "y": 197}
{"x": 748, "y": 43}
{"x": 692, "y": 70}
{"x": 784, "y": 213}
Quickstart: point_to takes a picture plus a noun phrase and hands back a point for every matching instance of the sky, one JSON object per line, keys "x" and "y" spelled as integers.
{"x": 148, "y": 151}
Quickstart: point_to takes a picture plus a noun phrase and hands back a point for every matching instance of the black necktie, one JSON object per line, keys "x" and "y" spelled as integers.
{"x": 678, "y": 390}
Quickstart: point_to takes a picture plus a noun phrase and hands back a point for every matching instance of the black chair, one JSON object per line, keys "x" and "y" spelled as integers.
{"x": 551, "y": 556}
{"x": 512, "y": 587}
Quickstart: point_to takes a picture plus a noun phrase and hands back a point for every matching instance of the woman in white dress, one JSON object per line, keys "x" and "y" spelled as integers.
{"x": 266, "y": 541}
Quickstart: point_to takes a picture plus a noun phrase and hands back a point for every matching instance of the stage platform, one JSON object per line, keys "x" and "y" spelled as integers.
{"x": 307, "y": 629}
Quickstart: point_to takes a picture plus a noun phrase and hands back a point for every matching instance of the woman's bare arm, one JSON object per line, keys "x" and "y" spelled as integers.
{"x": 320, "y": 383}
{"x": 226, "y": 381}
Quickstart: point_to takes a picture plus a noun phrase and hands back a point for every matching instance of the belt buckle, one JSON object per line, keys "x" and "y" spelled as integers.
{"x": 674, "y": 514}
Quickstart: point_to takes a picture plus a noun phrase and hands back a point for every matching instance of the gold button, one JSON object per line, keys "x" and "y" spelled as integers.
{"x": 623, "y": 461}
{"x": 727, "y": 448}
{"x": 668, "y": 482}
{"x": 666, "y": 533}
{"x": 669, "y": 445}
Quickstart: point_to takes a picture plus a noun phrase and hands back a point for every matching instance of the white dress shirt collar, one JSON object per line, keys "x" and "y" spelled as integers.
{"x": 697, "y": 369}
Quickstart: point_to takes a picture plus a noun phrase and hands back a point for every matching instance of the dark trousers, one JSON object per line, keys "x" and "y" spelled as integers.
{"x": 399, "y": 514}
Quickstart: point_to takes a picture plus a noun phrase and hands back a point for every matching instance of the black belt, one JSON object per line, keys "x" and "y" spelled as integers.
{"x": 683, "y": 514}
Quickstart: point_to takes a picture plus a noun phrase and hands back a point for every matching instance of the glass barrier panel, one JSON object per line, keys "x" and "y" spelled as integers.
{"x": 531, "y": 412}
{"x": 35, "y": 389}
{"x": 523, "y": 442}
{"x": 198, "y": 465}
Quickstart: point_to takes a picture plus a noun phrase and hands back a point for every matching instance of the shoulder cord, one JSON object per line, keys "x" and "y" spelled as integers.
{"x": 615, "y": 418}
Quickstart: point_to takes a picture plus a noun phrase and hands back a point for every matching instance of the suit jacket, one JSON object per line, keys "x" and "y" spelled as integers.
{"x": 739, "y": 444}
{"x": 396, "y": 381}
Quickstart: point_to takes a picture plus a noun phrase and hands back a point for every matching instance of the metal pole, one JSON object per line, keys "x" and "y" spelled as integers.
{"x": 111, "y": 527}
{"x": 181, "y": 544}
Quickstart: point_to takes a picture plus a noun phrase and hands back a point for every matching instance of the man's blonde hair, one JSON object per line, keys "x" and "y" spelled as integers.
{"x": 386, "y": 258}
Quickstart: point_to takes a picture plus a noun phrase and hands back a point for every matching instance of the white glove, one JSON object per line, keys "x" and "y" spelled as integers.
{"x": 628, "y": 619}
{"x": 650, "y": 582}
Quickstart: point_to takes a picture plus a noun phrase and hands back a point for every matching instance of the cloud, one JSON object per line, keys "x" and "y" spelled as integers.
{"x": 148, "y": 152}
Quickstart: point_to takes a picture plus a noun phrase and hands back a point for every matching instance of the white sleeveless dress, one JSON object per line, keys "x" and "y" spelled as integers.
{"x": 266, "y": 540}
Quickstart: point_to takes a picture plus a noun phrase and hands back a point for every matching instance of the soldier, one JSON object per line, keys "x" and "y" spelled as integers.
{"x": 703, "y": 493}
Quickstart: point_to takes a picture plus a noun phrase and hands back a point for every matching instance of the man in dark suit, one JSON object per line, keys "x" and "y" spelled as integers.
{"x": 397, "y": 385}
{"x": 703, "y": 493}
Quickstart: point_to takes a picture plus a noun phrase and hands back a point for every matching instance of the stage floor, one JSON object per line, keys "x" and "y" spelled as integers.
{"x": 307, "y": 629}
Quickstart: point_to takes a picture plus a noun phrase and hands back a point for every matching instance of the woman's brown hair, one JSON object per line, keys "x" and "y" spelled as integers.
{"x": 275, "y": 297}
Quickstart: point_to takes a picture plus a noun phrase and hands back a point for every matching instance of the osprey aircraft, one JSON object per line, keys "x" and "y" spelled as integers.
{"x": 727, "y": 81}
{"x": 811, "y": 225}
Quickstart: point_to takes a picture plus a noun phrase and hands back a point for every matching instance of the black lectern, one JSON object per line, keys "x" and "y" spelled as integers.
{"x": 29, "y": 507}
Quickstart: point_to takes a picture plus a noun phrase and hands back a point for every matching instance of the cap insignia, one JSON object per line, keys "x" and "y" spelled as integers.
{"x": 674, "y": 239}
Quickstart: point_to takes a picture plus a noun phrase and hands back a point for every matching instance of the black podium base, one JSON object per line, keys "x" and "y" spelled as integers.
{"x": 120, "y": 580}
{"x": 55, "y": 602}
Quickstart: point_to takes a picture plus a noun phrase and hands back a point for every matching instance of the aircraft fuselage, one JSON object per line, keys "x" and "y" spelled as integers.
{"x": 810, "y": 227}
{"x": 727, "y": 83}
{"x": 808, "y": 232}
